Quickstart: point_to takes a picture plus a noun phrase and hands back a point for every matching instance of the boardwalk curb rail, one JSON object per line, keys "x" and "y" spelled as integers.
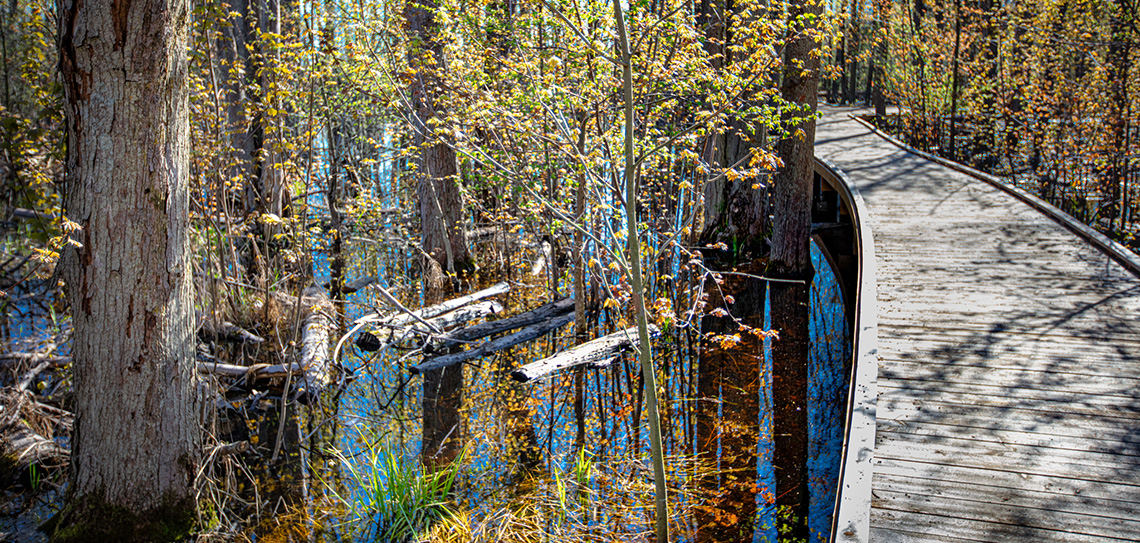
{"x": 1113, "y": 249}
{"x": 851, "y": 516}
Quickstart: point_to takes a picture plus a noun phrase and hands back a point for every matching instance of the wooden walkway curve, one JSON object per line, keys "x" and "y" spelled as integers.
{"x": 1009, "y": 360}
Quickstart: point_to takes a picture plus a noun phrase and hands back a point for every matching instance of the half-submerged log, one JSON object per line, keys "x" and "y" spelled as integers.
{"x": 401, "y": 319}
{"x": 455, "y": 318}
{"x": 488, "y": 347}
{"x": 600, "y": 352}
{"x": 489, "y": 328}
{"x": 420, "y": 316}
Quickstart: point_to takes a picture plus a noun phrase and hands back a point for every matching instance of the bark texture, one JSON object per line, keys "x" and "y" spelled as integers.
{"x": 124, "y": 70}
{"x": 792, "y": 186}
{"x": 735, "y": 213}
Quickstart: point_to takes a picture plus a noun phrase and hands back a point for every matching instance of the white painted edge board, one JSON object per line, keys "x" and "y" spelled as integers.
{"x": 851, "y": 516}
{"x": 1121, "y": 254}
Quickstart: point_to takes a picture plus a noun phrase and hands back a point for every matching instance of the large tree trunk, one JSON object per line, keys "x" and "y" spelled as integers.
{"x": 440, "y": 204}
{"x": 136, "y": 440}
{"x": 791, "y": 258}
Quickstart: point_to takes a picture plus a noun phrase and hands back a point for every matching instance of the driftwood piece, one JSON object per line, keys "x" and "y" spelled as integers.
{"x": 600, "y": 351}
{"x": 408, "y": 316}
{"x": 446, "y": 321}
{"x": 489, "y": 328}
{"x": 488, "y": 347}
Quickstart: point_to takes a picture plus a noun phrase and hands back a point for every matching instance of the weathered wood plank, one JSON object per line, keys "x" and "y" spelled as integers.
{"x": 1074, "y": 503}
{"x": 995, "y": 482}
{"x": 1045, "y": 516}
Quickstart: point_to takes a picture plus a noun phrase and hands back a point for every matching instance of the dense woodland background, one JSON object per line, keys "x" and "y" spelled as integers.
{"x": 435, "y": 148}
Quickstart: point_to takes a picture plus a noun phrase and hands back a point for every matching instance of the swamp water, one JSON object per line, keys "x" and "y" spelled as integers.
{"x": 351, "y": 470}
{"x": 535, "y": 466}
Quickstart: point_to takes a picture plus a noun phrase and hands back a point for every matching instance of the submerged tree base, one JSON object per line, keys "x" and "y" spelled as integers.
{"x": 90, "y": 520}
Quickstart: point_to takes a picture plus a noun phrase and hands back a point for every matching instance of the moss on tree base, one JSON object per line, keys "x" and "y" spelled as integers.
{"x": 89, "y": 520}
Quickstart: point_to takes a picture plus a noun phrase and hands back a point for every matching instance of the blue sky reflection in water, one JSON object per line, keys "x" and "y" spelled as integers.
{"x": 372, "y": 407}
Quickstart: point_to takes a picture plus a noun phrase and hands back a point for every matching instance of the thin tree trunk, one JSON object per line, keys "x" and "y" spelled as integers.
{"x": 136, "y": 442}
{"x": 637, "y": 285}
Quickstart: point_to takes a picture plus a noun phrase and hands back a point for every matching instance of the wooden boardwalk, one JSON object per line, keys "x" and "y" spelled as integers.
{"x": 1009, "y": 352}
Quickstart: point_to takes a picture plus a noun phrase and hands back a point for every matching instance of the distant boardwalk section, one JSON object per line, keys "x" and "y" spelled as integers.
{"x": 1009, "y": 359}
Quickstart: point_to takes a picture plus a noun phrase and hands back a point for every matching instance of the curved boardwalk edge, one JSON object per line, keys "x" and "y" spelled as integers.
{"x": 851, "y": 516}
{"x": 1118, "y": 252}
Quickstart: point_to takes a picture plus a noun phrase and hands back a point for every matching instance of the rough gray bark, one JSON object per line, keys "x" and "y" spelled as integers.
{"x": 440, "y": 204}
{"x": 792, "y": 185}
{"x": 124, "y": 70}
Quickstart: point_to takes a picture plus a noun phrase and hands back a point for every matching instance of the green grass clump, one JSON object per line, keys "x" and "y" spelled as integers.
{"x": 397, "y": 499}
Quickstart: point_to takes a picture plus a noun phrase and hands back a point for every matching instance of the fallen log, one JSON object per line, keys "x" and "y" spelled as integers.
{"x": 479, "y": 331}
{"x": 403, "y": 318}
{"x": 600, "y": 352}
{"x": 488, "y": 347}
{"x": 407, "y": 316}
{"x": 315, "y": 346}
{"x": 446, "y": 321}
{"x": 226, "y": 331}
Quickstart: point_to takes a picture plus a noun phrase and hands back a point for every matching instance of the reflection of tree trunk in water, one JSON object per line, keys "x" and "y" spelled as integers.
{"x": 522, "y": 439}
{"x": 790, "y": 317}
{"x": 442, "y": 426}
{"x": 729, "y": 383}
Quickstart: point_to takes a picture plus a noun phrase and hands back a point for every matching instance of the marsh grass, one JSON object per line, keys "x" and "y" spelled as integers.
{"x": 395, "y": 499}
